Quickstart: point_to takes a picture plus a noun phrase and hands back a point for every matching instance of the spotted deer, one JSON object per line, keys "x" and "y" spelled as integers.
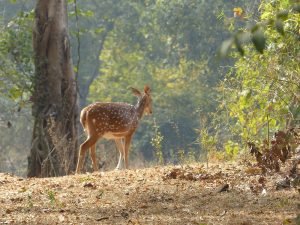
{"x": 117, "y": 121}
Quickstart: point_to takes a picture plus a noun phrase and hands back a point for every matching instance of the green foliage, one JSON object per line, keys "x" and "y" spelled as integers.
{"x": 172, "y": 86}
{"x": 16, "y": 70}
{"x": 259, "y": 95}
{"x": 276, "y": 16}
{"x": 231, "y": 149}
{"x": 167, "y": 45}
{"x": 16, "y": 57}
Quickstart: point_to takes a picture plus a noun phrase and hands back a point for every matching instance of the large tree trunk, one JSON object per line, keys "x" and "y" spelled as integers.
{"x": 55, "y": 106}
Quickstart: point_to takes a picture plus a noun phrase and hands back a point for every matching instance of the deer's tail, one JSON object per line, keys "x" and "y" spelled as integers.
{"x": 83, "y": 119}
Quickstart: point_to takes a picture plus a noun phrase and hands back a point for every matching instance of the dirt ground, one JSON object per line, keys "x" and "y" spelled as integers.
{"x": 222, "y": 194}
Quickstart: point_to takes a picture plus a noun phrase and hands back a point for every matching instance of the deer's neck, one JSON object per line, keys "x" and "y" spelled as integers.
{"x": 140, "y": 107}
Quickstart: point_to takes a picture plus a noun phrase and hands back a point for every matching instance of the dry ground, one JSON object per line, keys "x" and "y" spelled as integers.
{"x": 160, "y": 195}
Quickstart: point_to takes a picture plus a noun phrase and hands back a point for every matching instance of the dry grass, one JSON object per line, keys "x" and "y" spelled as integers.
{"x": 149, "y": 196}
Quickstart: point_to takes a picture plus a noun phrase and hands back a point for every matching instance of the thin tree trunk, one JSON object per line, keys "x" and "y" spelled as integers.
{"x": 55, "y": 106}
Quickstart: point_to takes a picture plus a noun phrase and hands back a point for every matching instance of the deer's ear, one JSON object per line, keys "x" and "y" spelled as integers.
{"x": 147, "y": 89}
{"x": 136, "y": 92}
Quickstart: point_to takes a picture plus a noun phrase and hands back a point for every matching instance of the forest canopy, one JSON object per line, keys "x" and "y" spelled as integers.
{"x": 203, "y": 104}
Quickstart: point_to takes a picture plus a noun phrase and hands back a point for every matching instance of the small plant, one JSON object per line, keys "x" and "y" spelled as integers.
{"x": 191, "y": 156}
{"x": 186, "y": 157}
{"x": 156, "y": 142}
{"x": 100, "y": 194}
{"x": 29, "y": 202}
{"x": 207, "y": 142}
{"x": 181, "y": 156}
{"x": 53, "y": 200}
{"x": 51, "y": 196}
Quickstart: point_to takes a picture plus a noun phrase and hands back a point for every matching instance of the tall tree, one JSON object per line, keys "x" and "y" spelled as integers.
{"x": 55, "y": 106}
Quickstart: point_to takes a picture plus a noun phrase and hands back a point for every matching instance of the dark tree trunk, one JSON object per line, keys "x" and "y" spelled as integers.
{"x": 55, "y": 106}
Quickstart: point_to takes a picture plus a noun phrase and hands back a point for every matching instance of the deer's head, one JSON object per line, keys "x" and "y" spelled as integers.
{"x": 145, "y": 100}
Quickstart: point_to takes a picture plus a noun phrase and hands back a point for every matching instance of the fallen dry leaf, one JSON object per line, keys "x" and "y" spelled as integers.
{"x": 160, "y": 195}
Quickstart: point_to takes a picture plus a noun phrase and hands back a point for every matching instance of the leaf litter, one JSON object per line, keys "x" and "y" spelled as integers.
{"x": 227, "y": 193}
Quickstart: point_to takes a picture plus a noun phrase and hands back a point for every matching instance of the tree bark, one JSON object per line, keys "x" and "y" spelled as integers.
{"x": 55, "y": 105}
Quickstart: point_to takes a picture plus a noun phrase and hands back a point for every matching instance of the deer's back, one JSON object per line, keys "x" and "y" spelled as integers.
{"x": 109, "y": 119}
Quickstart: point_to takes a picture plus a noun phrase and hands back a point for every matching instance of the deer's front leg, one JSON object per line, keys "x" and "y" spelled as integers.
{"x": 120, "y": 147}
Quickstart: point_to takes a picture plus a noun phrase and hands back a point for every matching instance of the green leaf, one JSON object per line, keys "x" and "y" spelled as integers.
{"x": 99, "y": 30}
{"x": 15, "y": 93}
{"x": 259, "y": 40}
{"x": 75, "y": 69}
{"x": 88, "y": 13}
{"x": 279, "y": 26}
{"x": 249, "y": 94}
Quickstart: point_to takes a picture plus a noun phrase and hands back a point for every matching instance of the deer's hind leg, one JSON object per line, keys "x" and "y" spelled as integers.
{"x": 90, "y": 141}
{"x": 126, "y": 149}
{"x": 94, "y": 157}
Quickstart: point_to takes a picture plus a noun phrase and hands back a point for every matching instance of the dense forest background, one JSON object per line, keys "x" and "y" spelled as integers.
{"x": 204, "y": 104}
